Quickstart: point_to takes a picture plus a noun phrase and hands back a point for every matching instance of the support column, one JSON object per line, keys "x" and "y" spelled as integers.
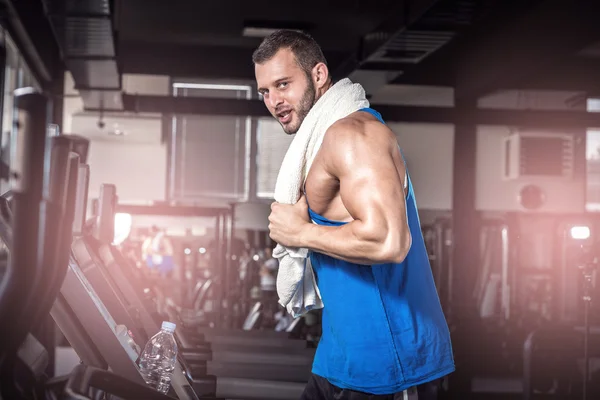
{"x": 465, "y": 219}
{"x": 465, "y": 255}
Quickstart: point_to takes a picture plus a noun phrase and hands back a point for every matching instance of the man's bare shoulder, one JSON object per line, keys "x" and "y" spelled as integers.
{"x": 355, "y": 130}
{"x": 357, "y": 140}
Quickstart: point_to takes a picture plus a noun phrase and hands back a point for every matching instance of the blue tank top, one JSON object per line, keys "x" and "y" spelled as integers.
{"x": 383, "y": 326}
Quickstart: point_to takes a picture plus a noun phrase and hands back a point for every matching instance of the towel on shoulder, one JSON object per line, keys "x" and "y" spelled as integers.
{"x": 296, "y": 284}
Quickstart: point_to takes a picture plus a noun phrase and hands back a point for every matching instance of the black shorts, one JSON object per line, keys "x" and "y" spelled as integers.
{"x": 319, "y": 388}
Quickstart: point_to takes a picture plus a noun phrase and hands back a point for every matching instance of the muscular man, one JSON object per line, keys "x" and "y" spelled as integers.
{"x": 384, "y": 332}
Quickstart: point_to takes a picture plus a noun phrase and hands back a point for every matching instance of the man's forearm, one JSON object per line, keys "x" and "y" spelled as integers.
{"x": 345, "y": 243}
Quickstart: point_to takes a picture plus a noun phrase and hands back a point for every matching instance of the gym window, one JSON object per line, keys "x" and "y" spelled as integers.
{"x": 210, "y": 155}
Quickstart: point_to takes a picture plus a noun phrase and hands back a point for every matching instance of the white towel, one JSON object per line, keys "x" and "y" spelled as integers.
{"x": 296, "y": 285}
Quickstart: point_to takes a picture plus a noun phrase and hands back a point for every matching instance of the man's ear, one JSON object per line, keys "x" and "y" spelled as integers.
{"x": 320, "y": 74}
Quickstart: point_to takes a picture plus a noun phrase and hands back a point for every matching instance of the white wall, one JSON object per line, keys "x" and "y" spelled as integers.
{"x": 138, "y": 170}
{"x": 428, "y": 150}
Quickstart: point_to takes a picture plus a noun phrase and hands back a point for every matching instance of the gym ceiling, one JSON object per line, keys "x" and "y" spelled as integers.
{"x": 476, "y": 47}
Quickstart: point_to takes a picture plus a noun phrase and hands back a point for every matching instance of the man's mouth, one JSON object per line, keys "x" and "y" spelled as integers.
{"x": 284, "y": 117}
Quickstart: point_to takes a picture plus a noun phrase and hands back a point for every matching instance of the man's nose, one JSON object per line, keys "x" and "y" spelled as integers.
{"x": 275, "y": 100}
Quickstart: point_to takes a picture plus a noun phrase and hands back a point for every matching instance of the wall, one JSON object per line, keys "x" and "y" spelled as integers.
{"x": 427, "y": 148}
{"x": 138, "y": 170}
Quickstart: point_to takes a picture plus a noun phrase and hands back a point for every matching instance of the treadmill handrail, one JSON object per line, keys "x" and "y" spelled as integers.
{"x": 53, "y": 259}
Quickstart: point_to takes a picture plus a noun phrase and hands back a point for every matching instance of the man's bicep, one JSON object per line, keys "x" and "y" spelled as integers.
{"x": 371, "y": 186}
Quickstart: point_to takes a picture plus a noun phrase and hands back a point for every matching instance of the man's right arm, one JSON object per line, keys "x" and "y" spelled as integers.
{"x": 371, "y": 189}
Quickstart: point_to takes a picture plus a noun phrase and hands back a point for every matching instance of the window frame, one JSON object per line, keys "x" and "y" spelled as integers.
{"x": 175, "y": 184}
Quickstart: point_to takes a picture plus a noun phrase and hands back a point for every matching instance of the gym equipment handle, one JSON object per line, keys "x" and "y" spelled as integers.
{"x": 84, "y": 378}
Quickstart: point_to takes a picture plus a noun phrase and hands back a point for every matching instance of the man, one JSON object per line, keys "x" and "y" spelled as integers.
{"x": 158, "y": 252}
{"x": 147, "y": 246}
{"x": 384, "y": 332}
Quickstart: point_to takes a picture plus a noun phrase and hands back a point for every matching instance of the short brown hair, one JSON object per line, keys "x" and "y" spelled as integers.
{"x": 306, "y": 50}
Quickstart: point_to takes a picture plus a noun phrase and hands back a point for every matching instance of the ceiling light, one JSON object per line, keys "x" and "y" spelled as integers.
{"x": 580, "y": 232}
{"x": 117, "y": 131}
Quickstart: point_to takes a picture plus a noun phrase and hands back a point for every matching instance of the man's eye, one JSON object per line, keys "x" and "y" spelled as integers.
{"x": 282, "y": 85}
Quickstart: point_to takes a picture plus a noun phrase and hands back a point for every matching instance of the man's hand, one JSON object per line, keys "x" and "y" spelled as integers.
{"x": 287, "y": 222}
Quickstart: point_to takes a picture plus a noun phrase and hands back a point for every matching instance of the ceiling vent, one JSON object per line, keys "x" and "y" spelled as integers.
{"x": 410, "y": 46}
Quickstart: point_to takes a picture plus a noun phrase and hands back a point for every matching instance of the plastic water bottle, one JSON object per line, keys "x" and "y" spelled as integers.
{"x": 158, "y": 359}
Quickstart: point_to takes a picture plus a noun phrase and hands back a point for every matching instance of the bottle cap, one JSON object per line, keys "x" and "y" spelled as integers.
{"x": 168, "y": 326}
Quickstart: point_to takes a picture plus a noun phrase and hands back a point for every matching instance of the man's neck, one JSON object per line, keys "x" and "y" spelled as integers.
{"x": 324, "y": 89}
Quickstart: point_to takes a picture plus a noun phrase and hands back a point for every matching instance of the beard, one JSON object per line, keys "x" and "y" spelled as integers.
{"x": 301, "y": 110}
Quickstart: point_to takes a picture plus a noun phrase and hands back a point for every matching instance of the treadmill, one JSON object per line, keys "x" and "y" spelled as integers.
{"x": 119, "y": 275}
{"x": 257, "y": 375}
{"x": 88, "y": 284}
{"x": 89, "y": 327}
{"x": 230, "y": 355}
{"x": 285, "y": 351}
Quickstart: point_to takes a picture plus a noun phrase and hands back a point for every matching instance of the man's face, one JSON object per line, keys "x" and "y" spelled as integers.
{"x": 288, "y": 92}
